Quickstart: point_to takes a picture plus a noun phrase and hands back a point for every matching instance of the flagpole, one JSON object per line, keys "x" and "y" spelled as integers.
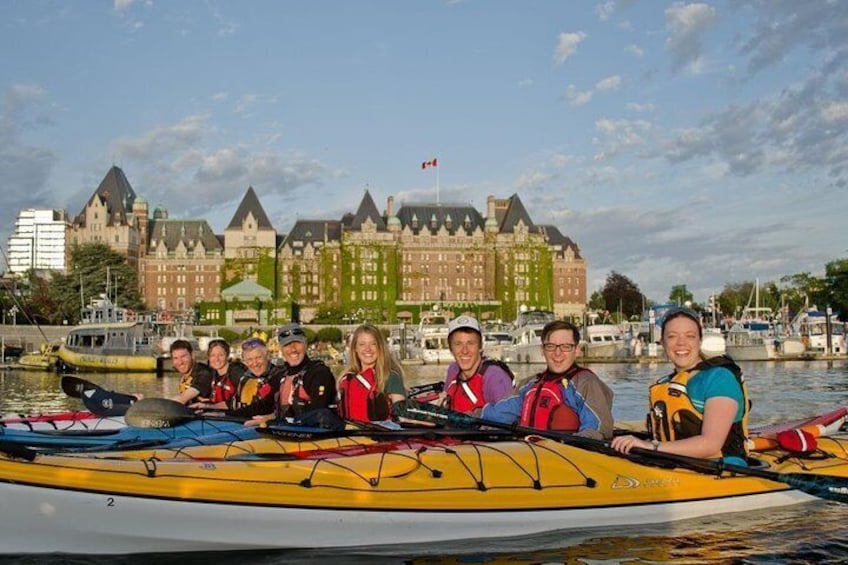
{"x": 437, "y": 184}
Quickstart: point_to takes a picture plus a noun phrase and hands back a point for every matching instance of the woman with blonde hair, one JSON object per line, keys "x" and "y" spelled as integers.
{"x": 372, "y": 380}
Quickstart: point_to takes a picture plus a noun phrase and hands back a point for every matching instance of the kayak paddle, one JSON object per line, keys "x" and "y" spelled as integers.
{"x": 73, "y": 386}
{"x": 307, "y": 433}
{"x": 97, "y": 400}
{"x": 829, "y": 487}
{"x": 166, "y": 413}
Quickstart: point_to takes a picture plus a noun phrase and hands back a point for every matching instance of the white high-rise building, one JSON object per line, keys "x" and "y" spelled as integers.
{"x": 39, "y": 241}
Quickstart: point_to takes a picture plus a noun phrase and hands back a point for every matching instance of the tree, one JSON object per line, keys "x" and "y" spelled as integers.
{"x": 622, "y": 294}
{"x": 596, "y": 301}
{"x": 680, "y": 295}
{"x": 836, "y": 287}
{"x": 87, "y": 279}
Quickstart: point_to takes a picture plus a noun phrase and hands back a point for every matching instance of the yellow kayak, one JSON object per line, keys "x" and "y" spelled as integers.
{"x": 399, "y": 495}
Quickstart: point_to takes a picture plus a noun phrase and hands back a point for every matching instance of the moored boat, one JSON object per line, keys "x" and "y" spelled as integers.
{"x": 526, "y": 346}
{"x": 108, "y": 340}
{"x": 45, "y": 359}
{"x": 473, "y": 490}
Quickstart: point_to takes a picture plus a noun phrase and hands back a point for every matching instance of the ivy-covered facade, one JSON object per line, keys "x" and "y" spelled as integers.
{"x": 392, "y": 266}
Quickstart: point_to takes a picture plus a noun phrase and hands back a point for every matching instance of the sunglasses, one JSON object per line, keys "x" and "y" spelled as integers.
{"x": 288, "y": 333}
{"x": 252, "y": 343}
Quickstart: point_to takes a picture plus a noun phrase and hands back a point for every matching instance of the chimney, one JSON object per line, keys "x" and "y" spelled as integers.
{"x": 390, "y": 207}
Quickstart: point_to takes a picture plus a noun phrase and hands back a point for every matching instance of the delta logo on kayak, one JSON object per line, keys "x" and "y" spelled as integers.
{"x": 624, "y": 482}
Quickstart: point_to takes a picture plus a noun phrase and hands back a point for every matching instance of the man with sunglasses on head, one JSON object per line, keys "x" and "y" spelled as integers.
{"x": 565, "y": 396}
{"x": 258, "y": 385}
{"x": 298, "y": 386}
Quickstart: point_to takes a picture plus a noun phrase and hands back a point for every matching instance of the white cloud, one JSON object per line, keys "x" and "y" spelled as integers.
{"x": 164, "y": 139}
{"x": 245, "y": 102}
{"x": 605, "y": 10}
{"x": 835, "y": 112}
{"x": 576, "y": 97}
{"x": 636, "y": 107}
{"x": 686, "y": 23}
{"x": 616, "y": 136}
{"x": 567, "y": 45}
{"x": 634, "y": 50}
{"x": 120, "y": 5}
{"x": 609, "y": 83}
{"x": 534, "y": 180}
{"x": 524, "y": 83}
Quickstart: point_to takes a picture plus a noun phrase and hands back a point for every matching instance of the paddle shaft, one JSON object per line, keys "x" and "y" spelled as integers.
{"x": 829, "y": 487}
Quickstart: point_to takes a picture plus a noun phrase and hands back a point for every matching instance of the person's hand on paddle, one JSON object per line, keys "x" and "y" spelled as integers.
{"x": 625, "y": 443}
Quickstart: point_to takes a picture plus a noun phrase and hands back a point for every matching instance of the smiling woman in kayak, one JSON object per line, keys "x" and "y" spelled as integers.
{"x": 700, "y": 410}
{"x": 372, "y": 381}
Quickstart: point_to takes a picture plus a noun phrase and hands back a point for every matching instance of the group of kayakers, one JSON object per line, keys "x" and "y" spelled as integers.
{"x": 699, "y": 410}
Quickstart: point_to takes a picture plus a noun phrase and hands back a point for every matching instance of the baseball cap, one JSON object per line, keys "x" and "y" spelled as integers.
{"x": 289, "y": 333}
{"x": 464, "y": 322}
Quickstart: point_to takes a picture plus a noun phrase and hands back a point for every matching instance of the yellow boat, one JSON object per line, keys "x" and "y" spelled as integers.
{"x": 43, "y": 360}
{"x": 426, "y": 494}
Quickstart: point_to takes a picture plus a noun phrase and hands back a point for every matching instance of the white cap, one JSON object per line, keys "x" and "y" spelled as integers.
{"x": 464, "y": 322}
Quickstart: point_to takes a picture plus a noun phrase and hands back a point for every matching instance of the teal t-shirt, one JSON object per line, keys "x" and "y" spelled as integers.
{"x": 713, "y": 382}
{"x": 394, "y": 385}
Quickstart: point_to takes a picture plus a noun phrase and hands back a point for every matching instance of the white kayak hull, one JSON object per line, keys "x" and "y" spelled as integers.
{"x": 73, "y": 521}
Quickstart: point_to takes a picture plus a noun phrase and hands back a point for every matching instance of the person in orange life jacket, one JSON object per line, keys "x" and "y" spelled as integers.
{"x": 225, "y": 378}
{"x": 472, "y": 381}
{"x": 195, "y": 378}
{"x": 304, "y": 384}
{"x": 372, "y": 380}
{"x": 258, "y": 385}
{"x": 701, "y": 409}
{"x": 565, "y": 396}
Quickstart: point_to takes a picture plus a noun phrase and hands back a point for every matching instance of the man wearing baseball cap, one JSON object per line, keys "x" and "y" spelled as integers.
{"x": 473, "y": 381}
{"x": 303, "y": 384}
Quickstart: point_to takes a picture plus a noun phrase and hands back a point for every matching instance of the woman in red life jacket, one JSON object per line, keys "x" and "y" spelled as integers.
{"x": 225, "y": 378}
{"x": 372, "y": 381}
{"x": 700, "y": 410}
{"x": 472, "y": 381}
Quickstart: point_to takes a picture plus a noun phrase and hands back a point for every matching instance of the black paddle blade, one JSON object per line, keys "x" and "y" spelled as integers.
{"x": 74, "y": 386}
{"x": 18, "y": 451}
{"x": 158, "y": 413}
{"x": 828, "y": 487}
{"x": 106, "y": 403}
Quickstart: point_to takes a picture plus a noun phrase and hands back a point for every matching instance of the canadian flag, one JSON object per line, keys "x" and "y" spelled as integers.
{"x": 433, "y": 163}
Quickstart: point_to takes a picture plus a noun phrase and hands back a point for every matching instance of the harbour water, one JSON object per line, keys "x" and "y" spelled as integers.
{"x": 816, "y": 532}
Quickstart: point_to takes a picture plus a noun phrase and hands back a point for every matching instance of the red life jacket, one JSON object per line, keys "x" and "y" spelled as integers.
{"x": 359, "y": 399}
{"x": 223, "y": 388}
{"x": 464, "y": 395}
{"x": 544, "y": 406}
{"x": 292, "y": 392}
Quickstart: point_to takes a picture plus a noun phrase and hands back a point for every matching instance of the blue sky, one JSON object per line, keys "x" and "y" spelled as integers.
{"x": 677, "y": 143}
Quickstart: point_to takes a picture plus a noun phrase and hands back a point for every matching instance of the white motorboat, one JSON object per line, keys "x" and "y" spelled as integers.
{"x": 526, "y": 346}
{"x": 431, "y": 339}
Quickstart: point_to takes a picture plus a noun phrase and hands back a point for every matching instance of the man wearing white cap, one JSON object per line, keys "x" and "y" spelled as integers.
{"x": 473, "y": 381}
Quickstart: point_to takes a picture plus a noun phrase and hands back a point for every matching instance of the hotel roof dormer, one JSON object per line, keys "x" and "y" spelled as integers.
{"x": 249, "y": 228}
{"x": 115, "y": 195}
